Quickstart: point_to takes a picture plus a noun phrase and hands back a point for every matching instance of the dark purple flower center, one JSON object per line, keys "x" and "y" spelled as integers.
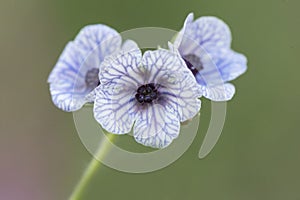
{"x": 193, "y": 62}
{"x": 146, "y": 93}
{"x": 92, "y": 78}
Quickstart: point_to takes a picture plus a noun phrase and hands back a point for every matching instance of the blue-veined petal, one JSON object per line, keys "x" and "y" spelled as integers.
{"x": 223, "y": 92}
{"x": 101, "y": 37}
{"x": 231, "y": 64}
{"x": 157, "y": 126}
{"x": 90, "y": 97}
{"x": 181, "y": 92}
{"x": 115, "y": 108}
{"x": 217, "y": 70}
{"x": 68, "y": 64}
{"x": 178, "y": 87}
{"x": 67, "y": 81}
{"x": 115, "y": 104}
{"x": 210, "y": 33}
{"x": 189, "y": 19}
{"x": 65, "y": 97}
{"x": 159, "y": 62}
{"x": 123, "y": 68}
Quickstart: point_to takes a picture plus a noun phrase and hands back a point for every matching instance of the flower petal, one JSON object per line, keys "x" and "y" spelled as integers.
{"x": 123, "y": 68}
{"x": 231, "y": 64}
{"x": 115, "y": 109}
{"x": 159, "y": 62}
{"x": 115, "y": 104}
{"x": 181, "y": 94}
{"x": 210, "y": 33}
{"x": 178, "y": 87}
{"x": 130, "y": 45}
{"x": 67, "y": 82}
{"x": 64, "y": 97}
{"x": 101, "y": 37}
{"x": 67, "y": 67}
{"x": 219, "y": 92}
{"x": 189, "y": 19}
{"x": 157, "y": 126}
{"x": 217, "y": 70}
{"x": 90, "y": 97}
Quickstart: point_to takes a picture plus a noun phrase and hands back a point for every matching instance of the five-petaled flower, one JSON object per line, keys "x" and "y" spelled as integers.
{"x": 75, "y": 76}
{"x": 204, "y": 44}
{"x": 153, "y": 93}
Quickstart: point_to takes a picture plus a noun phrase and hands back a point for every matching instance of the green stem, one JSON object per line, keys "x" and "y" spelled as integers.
{"x": 91, "y": 169}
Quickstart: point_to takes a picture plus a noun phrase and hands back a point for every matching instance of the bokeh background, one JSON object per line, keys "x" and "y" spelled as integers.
{"x": 257, "y": 157}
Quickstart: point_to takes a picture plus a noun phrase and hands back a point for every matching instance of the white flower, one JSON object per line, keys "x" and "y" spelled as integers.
{"x": 75, "y": 75}
{"x": 204, "y": 44}
{"x": 152, "y": 93}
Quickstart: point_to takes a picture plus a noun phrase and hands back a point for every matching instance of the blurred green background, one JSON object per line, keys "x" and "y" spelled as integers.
{"x": 257, "y": 157}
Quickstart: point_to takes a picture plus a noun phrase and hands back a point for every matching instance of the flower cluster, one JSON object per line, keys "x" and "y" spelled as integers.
{"x": 150, "y": 92}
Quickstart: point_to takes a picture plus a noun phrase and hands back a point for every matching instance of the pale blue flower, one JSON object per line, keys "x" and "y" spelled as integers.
{"x": 75, "y": 74}
{"x": 152, "y": 93}
{"x": 205, "y": 45}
